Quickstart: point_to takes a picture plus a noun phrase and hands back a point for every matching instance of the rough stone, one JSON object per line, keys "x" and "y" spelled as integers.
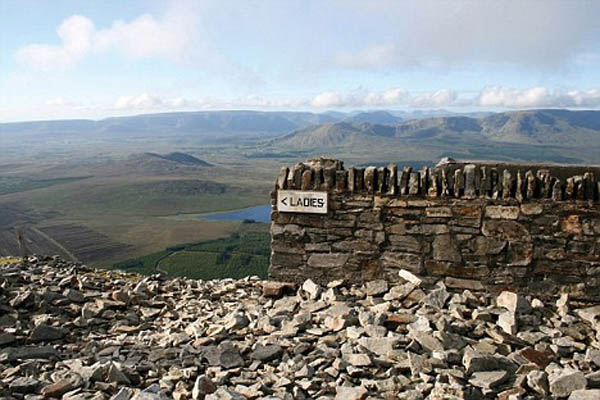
{"x": 565, "y": 381}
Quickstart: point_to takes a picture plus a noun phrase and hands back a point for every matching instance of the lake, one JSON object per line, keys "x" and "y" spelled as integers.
{"x": 258, "y": 214}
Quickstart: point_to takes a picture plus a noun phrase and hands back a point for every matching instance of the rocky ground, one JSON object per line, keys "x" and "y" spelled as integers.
{"x": 77, "y": 333}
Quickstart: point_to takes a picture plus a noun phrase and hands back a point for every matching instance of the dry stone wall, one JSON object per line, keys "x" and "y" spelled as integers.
{"x": 531, "y": 227}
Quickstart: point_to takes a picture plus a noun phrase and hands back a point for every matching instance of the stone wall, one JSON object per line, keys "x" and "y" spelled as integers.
{"x": 532, "y": 227}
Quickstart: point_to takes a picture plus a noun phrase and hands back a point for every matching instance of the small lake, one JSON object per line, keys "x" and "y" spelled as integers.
{"x": 258, "y": 214}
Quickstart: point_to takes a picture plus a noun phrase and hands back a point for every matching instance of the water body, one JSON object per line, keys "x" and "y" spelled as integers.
{"x": 258, "y": 214}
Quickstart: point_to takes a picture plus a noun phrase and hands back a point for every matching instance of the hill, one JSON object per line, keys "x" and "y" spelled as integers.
{"x": 534, "y": 127}
{"x": 197, "y": 123}
{"x": 545, "y": 127}
{"x": 374, "y": 117}
{"x": 181, "y": 158}
{"x": 338, "y": 134}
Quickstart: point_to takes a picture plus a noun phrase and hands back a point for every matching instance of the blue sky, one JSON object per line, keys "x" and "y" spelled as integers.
{"x": 93, "y": 59}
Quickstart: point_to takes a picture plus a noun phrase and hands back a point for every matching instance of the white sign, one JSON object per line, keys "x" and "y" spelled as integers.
{"x": 302, "y": 202}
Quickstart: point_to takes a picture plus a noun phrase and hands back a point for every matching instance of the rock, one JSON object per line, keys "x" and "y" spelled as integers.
{"x": 427, "y": 341}
{"x": 24, "y": 385}
{"x": 502, "y": 212}
{"x": 513, "y": 302}
{"x": 437, "y": 298}
{"x": 593, "y": 356}
{"x": 266, "y": 353}
{"x": 225, "y": 355}
{"x": 28, "y": 353}
{"x": 7, "y": 338}
{"x": 468, "y": 284}
{"x": 155, "y": 338}
{"x": 379, "y": 346}
{"x": 350, "y": 393}
{"x": 562, "y": 305}
{"x": 399, "y": 292}
{"x": 376, "y": 288}
{"x": 276, "y": 289}
{"x": 488, "y": 379}
{"x": 74, "y": 295}
{"x": 538, "y": 382}
{"x": 581, "y": 394}
{"x": 507, "y": 321}
{"x": 564, "y": 381}
{"x": 410, "y": 277}
{"x": 57, "y": 389}
{"x": 224, "y": 394}
{"x": 419, "y": 364}
{"x": 45, "y": 333}
{"x": 117, "y": 376}
{"x": 202, "y": 387}
{"x": 475, "y": 362}
{"x": 312, "y": 289}
{"x": 236, "y": 322}
{"x": 445, "y": 249}
{"x": 591, "y": 315}
{"x": 357, "y": 360}
{"x": 152, "y": 392}
{"x": 123, "y": 394}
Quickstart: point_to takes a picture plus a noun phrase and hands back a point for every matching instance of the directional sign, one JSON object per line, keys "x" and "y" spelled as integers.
{"x": 302, "y": 202}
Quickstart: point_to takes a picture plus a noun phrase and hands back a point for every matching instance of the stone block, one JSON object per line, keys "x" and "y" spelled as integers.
{"x": 532, "y": 208}
{"x": 445, "y": 249}
{"x": 502, "y": 212}
{"x": 571, "y": 224}
{"x": 405, "y": 243}
{"x": 400, "y": 260}
{"x": 355, "y": 245}
{"x": 438, "y": 212}
{"x": 330, "y": 260}
{"x": 520, "y": 253}
{"x": 508, "y": 230}
{"x": 482, "y": 245}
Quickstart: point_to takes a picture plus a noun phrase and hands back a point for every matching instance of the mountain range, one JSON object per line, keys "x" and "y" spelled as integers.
{"x": 305, "y": 130}
{"x": 535, "y": 127}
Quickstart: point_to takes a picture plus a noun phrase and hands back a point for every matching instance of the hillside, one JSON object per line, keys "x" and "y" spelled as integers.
{"x": 338, "y": 134}
{"x": 78, "y": 333}
{"x": 553, "y": 128}
{"x": 181, "y": 158}
{"x": 545, "y": 127}
{"x": 188, "y": 123}
{"x": 374, "y": 117}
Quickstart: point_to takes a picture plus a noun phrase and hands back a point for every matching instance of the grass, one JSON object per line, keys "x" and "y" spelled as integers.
{"x": 240, "y": 255}
{"x": 9, "y": 184}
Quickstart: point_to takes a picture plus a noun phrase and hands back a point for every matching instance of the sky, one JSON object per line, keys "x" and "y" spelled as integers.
{"x": 94, "y": 59}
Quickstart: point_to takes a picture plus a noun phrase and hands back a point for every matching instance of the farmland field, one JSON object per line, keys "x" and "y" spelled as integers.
{"x": 242, "y": 254}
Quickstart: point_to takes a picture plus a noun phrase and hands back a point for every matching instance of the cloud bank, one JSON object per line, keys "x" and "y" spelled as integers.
{"x": 169, "y": 37}
{"x": 488, "y": 97}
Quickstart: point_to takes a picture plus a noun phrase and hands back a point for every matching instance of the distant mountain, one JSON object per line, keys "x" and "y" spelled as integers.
{"x": 440, "y": 127}
{"x": 338, "y": 134}
{"x": 181, "y": 158}
{"x": 176, "y": 123}
{"x": 374, "y": 117}
{"x": 544, "y": 127}
{"x": 532, "y": 127}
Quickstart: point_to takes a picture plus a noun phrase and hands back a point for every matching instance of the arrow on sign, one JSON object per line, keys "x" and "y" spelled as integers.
{"x": 283, "y": 201}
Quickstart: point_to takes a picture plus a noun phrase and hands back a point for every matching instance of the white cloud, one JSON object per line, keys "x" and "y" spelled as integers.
{"x": 397, "y": 34}
{"x": 76, "y": 34}
{"x": 387, "y": 98}
{"x": 374, "y": 57}
{"x": 328, "y": 99}
{"x": 170, "y": 37}
{"x": 147, "y": 101}
{"x": 499, "y": 96}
